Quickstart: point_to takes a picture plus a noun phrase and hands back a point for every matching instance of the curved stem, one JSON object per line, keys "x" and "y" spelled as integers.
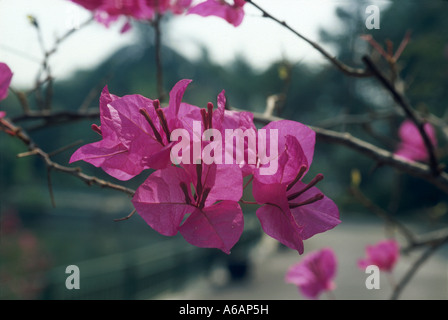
{"x": 414, "y": 268}
{"x": 158, "y": 56}
{"x": 350, "y": 71}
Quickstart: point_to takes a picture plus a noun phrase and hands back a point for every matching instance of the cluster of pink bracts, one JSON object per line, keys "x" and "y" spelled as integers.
{"x": 107, "y": 11}
{"x": 316, "y": 272}
{"x": 200, "y": 200}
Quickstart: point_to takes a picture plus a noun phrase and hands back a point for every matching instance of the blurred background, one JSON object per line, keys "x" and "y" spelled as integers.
{"x": 129, "y": 260}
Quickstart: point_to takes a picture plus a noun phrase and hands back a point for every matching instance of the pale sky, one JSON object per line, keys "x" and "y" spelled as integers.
{"x": 258, "y": 39}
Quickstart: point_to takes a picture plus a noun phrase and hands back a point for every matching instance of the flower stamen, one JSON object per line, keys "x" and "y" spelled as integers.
{"x": 313, "y": 199}
{"x": 199, "y": 180}
{"x": 97, "y": 129}
{"x": 312, "y": 183}
{"x": 164, "y": 123}
{"x": 297, "y": 178}
{"x": 156, "y": 104}
{"x": 210, "y": 113}
{"x": 204, "y": 118}
{"x": 151, "y": 124}
{"x": 184, "y": 188}
{"x": 203, "y": 198}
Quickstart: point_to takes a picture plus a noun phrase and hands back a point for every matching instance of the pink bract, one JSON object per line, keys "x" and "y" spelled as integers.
{"x": 291, "y": 219}
{"x": 315, "y": 273}
{"x": 292, "y": 210}
{"x": 207, "y": 216}
{"x": 232, "y": 13}
{"x": 383, "y": 254}
{"x": 107, "y": 11}
{"x": 5, "y": 80}
{"x": 295, "y": 146}
{"x": 412, "y": 146}
{"x": 134, "y": 138}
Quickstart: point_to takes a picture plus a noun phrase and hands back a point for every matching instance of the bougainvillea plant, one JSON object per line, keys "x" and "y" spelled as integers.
{"x": 232, "y": 13}
{"x": 383, "y": 254}
{"x": 200, "y": 157}
{"x": 109, "y": 11}
{"x": 315, "y": 273}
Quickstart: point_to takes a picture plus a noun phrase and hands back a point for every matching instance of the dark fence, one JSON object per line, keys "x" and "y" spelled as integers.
{"x": 149, "y": 271}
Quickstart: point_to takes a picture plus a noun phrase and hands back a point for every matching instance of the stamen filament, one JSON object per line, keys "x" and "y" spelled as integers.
{"x": 312, "y": 183}
{"x": 156, "y": 104}
{"x": 203, "y": 198}
{"x": 297, "y": 178}
{"x": 210, "y": 114}
{"x": 185, "y": 190}
{"x": 151, "y": 124}
{"x": 164, "y": 123}
{"x": 313, "y": 199}
{"x": 97, "y": 129}
{"x": 204, "y": 118}
{"x": 199, "y": 181}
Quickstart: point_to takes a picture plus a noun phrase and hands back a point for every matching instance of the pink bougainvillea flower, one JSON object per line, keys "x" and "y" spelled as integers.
{"x": 412, "y": 146}
{"x": 232, "y": 13}
{"x": 5, "y": 80}
{"x": 180, "y": 6}
{"x": 384, "y": 255}
{"x": 207, "y": 216}
{"x": 2, "y": 114}
{"x": 221, "y": 121}
{"x": 315, "y": 273}
{"x": 295, "y": 148}
{"x": 292, "y": 210}
{"x": 107, "y": 11}
{"x": 109, "y": 153}
{"x": 135, "y": 132}
{"x": 293, "y": 213}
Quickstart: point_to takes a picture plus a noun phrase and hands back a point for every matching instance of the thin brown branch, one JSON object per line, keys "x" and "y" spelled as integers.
{"x": 127, "y": 217}
{"x": 384, "y": 157}
{"x": 64, "y": 148}
{"x": 381, "y": 156}
{"x": 51, "y": 118}
{"x": 414, "y": 268}
{"x": 158, "y": 56}
{"x": 27, "y": 154}
{"x": 383, "y": 214}
{"x": 44, "y": 75}
{"x": 67, "y": 34}
{"x": 19, "y": 133}
{"x": 428, "y": 239}
{"x": 23, "y": 100}
{"x": 409, "y": 111}
{"x": 356, "y": 119}
{"x": 347, "y": 70}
